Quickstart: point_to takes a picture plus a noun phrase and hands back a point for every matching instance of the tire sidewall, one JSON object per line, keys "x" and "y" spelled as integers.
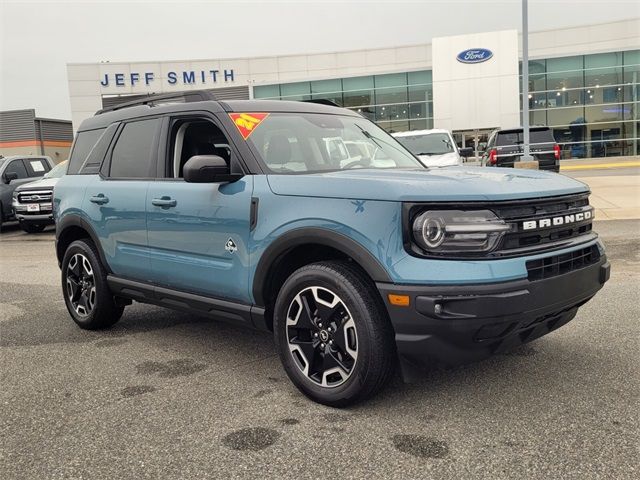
{"x": 81, "y": 246}
{"x": 310, "y": 277}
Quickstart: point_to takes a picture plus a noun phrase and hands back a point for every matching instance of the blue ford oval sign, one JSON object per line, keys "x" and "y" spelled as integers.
{"x": 474, "y": 55}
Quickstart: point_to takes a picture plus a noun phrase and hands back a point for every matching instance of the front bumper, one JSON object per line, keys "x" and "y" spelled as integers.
{"x": 452, "y": 325}
{"x": 40, "y": 219}
{"x": 43, "y": 216}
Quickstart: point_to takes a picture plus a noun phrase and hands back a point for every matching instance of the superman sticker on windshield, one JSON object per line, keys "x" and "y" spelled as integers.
{"x": 246, "y": 123}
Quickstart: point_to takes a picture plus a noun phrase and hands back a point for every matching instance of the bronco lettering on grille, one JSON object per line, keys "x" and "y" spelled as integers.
{"x": 557, "y": 221}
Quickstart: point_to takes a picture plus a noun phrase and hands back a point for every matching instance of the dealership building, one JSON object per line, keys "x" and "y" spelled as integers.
{"x": 23, "y": 133}
{"x": 584, "y": 83}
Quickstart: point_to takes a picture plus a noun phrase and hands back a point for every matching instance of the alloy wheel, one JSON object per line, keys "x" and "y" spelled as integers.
{"x": 322, "y": 336}
{"x": 81, "y": 286}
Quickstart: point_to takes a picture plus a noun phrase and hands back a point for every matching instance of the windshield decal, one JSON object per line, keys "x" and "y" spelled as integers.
{"x": 246, "y": 123}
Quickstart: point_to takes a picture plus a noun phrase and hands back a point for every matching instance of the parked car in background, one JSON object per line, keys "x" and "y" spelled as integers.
{"x": 435, "y": 148}
{"x": 15, "y": 171}
{"x": 32, "y": 201}
{"x": 504, "y": 148}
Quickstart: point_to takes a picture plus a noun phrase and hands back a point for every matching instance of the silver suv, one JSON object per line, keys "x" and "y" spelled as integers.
{"x": 32, "y": 202}
{"x": 15, "y": 171}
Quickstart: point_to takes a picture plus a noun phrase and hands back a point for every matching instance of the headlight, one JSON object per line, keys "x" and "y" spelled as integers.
{"x": 456, "y": 231}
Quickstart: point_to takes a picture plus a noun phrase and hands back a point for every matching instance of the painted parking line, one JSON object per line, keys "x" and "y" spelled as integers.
{"x": 600, "y": 166}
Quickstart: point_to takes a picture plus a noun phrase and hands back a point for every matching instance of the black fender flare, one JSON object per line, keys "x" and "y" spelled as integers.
{"x": 73, "y": 220}
{"x": 319, "y": 236}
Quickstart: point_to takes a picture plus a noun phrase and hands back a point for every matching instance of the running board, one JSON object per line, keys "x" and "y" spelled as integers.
{"x": 237, "y": 313}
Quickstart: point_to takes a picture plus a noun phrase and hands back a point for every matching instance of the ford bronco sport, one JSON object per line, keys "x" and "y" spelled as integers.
{"x": 237, "y": 210}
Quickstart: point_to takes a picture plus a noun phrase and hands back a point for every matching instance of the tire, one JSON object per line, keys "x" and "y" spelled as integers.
{"x": 353, "y": 352}
{"x": 81, "y": 266}
{"x": 31, "y": 227}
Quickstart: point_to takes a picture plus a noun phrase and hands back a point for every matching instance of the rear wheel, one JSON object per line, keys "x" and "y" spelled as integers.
{"x": 332, "y": 333}
{"x": 85, "y": 289}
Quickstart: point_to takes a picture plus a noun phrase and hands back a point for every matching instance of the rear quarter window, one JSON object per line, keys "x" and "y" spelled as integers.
{"x": 82, "y": 146}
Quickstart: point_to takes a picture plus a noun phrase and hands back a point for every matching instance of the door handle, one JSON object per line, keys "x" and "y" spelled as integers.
{"x": 164, "y": 202}
{"x": 99, "y": 199}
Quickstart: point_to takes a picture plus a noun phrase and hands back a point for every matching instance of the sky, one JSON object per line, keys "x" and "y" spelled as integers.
{"x": 38, "y": 39}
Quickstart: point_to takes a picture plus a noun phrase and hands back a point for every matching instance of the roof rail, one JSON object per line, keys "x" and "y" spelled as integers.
{"x": 184, "y": 97}
{"x": 322, "y": 101}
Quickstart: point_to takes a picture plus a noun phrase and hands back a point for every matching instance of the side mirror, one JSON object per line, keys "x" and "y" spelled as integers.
{"x": 9, "y": 176}
{"x": 466, "y": 152}
{"x": 208, "y": 169}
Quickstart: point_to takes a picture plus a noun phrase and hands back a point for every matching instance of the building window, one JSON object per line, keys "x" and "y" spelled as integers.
{"x": 397, "y": 101}
{"x": 266, "y": 91}
{"x": 390, "y": 88}
{"x": 358, "y": 91}
{"x": 590, "y": 101}
{"x": 295, "y": 91}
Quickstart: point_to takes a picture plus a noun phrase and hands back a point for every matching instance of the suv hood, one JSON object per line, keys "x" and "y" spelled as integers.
{"x": 38, "y": 184}
{"x": 441, "y": 184}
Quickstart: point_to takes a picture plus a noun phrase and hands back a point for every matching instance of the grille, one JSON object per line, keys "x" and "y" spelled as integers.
{"x": 43, "y": 196}
{"x": 560, "y": 264}
{"x": 543, "y": 209}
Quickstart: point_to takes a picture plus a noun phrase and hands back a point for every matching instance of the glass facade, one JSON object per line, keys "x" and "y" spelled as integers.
{"x": 591, "y": 102}
{"x": 395, "y": 101}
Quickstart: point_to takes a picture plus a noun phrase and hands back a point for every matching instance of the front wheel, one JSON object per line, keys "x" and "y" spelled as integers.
{"x": 332, "y": 333}
{"x": 85, "y": 289}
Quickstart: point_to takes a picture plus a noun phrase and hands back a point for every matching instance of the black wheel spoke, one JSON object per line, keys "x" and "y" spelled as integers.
{"x": 325, "y": 313}
{"x": 75, "y": 288}
{"x": 332, "y": 360}
{"x": 83, "y": 301}
{"x": 339, "y": 341}
{"x": 305, "y": 320}
{"x": 77, "y": 268}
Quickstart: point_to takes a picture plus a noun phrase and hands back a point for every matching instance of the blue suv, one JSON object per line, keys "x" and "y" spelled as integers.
{"x": 309, "y": 221}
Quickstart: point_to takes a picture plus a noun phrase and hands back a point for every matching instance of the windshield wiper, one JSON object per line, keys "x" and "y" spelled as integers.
{"x": 368, "y": 135}
{"x": 377, "y": 140}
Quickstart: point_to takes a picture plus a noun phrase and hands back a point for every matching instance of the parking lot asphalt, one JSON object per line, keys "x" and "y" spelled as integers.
{"x": 170, "y": 395}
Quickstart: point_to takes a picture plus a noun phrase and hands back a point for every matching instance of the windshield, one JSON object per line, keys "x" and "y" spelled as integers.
{"x": 428, "y": 144}
{"x": 312, "y": 142}
{"x": 57, "y": 171}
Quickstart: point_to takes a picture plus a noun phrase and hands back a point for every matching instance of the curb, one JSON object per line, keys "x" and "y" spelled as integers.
{"x": 600, "y": 166}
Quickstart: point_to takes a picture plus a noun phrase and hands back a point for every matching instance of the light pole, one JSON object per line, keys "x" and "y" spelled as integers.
{"x": 526, "y": 155}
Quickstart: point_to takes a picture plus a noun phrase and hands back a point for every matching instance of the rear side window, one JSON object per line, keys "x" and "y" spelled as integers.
{"x": 36, "y": 167}
{"x": 516, "y": 138}
{"x": 133, "y": 154}
{"x": 82, "y": 146}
